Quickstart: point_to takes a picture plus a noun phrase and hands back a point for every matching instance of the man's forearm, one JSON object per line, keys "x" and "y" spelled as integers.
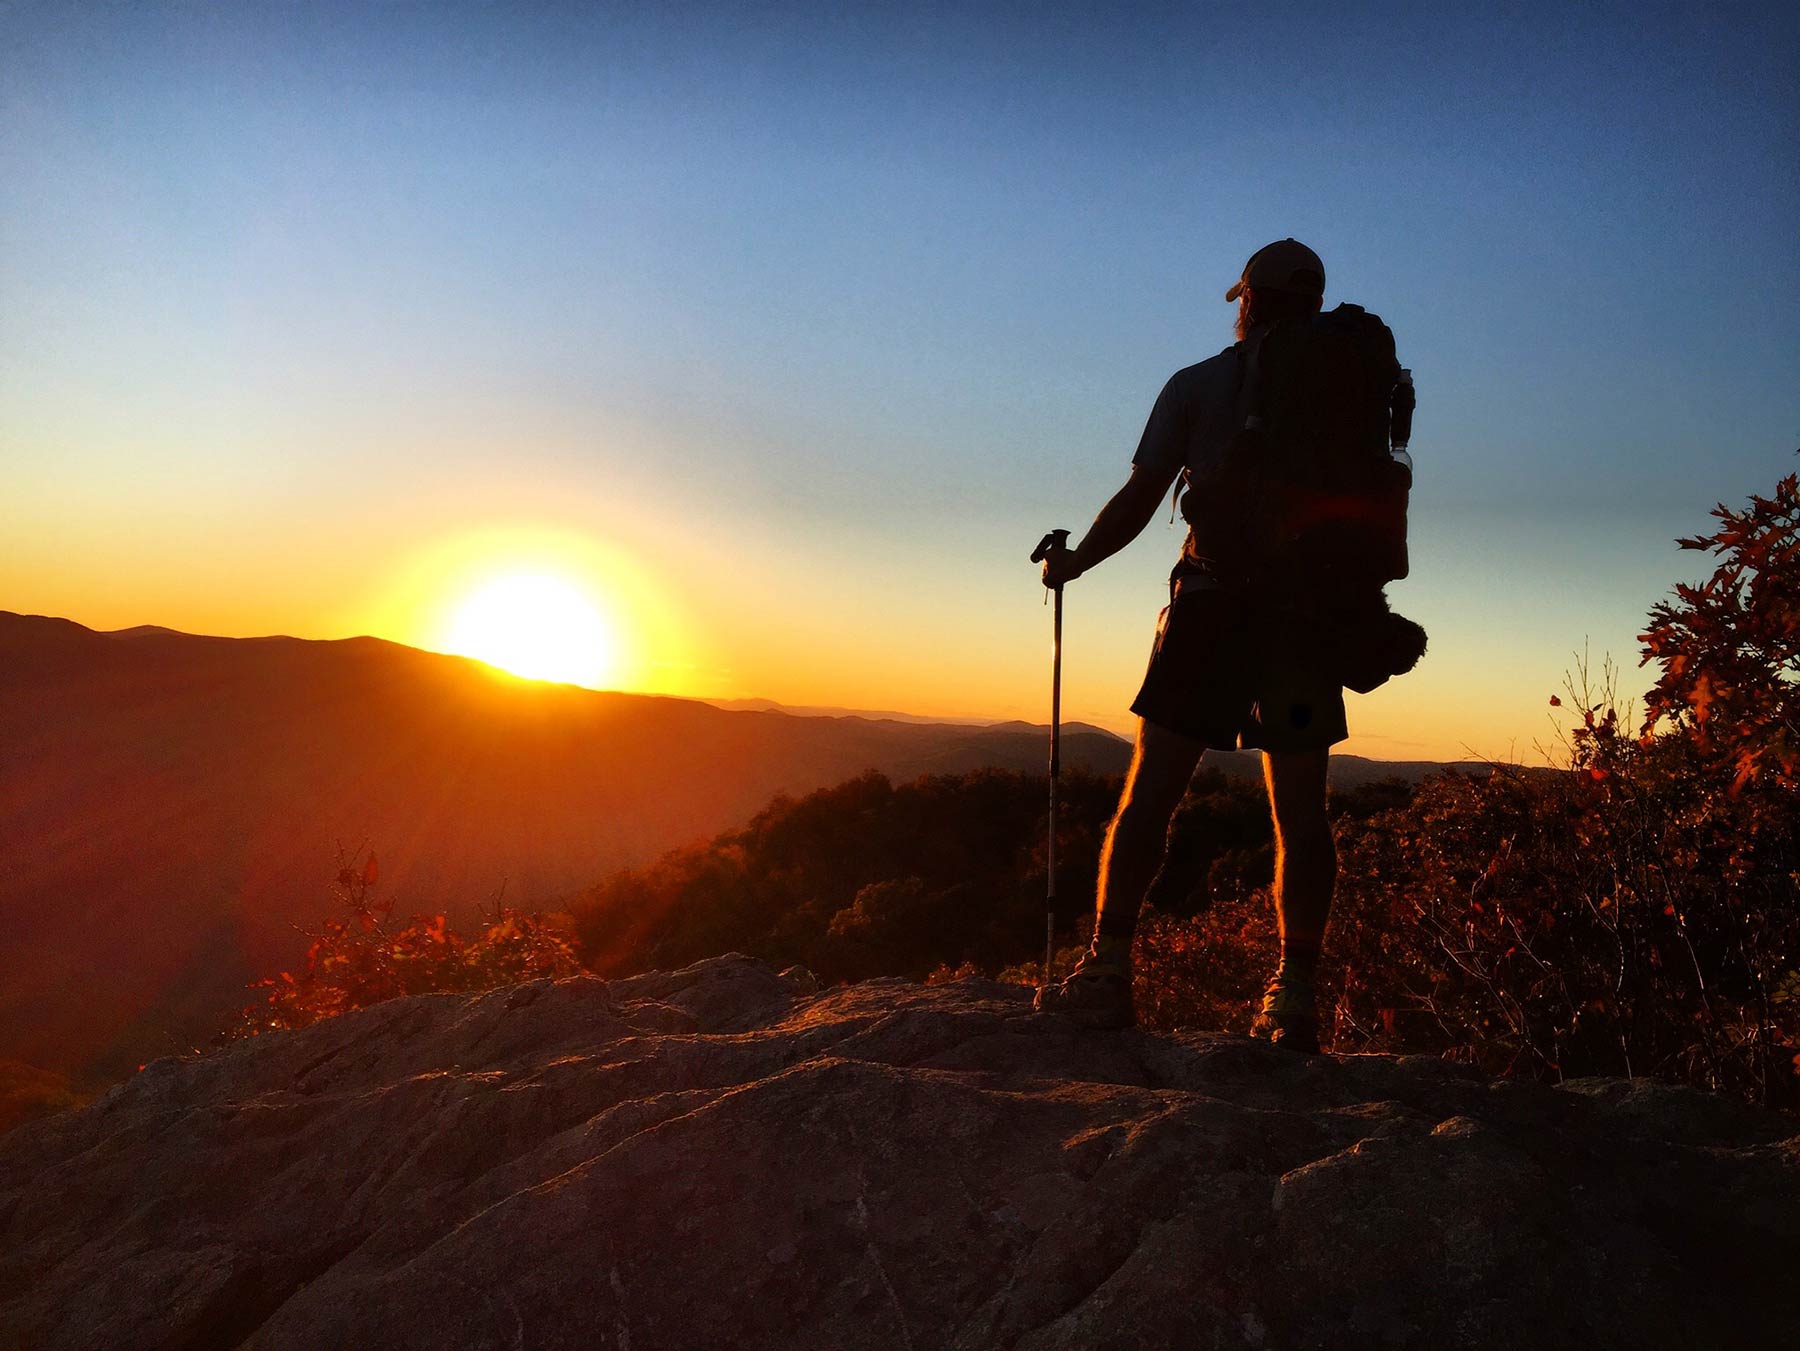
{"x": 1122, "y": 519}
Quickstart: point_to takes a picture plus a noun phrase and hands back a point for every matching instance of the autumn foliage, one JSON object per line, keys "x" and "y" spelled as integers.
{"x": 361, "y": 956}
{"x": 1729, "y": 647}
{"x": 1626, "y": 915}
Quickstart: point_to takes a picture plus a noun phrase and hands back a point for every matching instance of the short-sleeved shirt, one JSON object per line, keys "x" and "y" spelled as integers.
{"x": 1190, "y": 424}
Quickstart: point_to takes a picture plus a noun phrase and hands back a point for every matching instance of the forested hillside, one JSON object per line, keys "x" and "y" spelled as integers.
{"x": 873, "y": 878}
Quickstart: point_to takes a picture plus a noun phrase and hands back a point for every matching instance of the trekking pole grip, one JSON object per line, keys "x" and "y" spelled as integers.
{"x": 1055, "y": 542}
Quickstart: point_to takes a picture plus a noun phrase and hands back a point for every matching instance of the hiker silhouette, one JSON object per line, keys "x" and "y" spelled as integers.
{"x": 1290, "y": 451}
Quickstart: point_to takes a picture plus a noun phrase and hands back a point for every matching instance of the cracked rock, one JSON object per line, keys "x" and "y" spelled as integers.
{"x": 724, "y": 1156}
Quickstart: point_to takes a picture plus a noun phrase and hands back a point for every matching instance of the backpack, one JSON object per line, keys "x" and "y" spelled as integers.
{"x": 1308, "y": 498}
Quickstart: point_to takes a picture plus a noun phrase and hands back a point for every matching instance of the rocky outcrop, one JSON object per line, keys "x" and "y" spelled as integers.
{"x": 725, "y": 1157}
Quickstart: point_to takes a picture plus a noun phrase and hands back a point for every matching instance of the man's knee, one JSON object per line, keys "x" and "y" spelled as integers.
{"x": 1161, "y": 767}
{"x": 1144, "y": 812}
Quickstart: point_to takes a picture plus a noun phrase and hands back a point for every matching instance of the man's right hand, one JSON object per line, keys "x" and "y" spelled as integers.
{"x": 1060, "y": 566}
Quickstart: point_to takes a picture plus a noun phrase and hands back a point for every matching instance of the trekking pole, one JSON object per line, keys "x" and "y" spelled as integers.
{"x": 1055, "y": 542}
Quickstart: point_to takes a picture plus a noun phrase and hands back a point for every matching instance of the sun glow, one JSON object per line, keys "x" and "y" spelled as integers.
{"x": 538, "y": 625}
{"x": 545, "y": 601}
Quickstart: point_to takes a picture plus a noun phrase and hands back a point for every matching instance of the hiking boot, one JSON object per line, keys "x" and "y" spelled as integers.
{"x": 1096, "y": 994}
{"x": 1289, "y": 1017}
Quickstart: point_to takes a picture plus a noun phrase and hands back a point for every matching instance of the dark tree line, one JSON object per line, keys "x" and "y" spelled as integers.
{"x": 872, "y": 878}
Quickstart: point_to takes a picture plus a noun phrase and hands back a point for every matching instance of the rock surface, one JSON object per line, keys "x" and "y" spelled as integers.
{"x": 723, "y": 1157}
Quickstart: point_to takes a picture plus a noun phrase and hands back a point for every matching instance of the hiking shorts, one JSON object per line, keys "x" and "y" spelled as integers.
{"x": 1224, "y": 672}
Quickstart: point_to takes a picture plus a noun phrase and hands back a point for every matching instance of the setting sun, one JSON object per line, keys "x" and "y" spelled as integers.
{"x": 536, "y": 625}
{"x": 543, "y": 600}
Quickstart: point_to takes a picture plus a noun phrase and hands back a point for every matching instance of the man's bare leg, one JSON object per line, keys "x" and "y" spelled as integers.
{"x": 1097, "y": 993}
{"x": 1305, "y": 873}
{"x": 1162, "y": 764}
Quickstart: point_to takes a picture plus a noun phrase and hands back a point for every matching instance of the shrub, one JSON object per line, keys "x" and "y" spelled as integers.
{"x": 1634, "y": 912}
{"x": 1729, "y": 647}
{"x": 1625, "y": 915}
{"x": 360, "y": 958}
{"x": 1208, "y": 970}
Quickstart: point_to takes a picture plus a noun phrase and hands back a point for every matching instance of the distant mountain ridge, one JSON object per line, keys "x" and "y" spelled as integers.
{"x": 890, "y": 715}
{"x": 1347, "y": 771}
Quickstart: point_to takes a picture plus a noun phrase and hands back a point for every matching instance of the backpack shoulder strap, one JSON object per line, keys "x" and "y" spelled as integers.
{"x": 1249, "y": 366}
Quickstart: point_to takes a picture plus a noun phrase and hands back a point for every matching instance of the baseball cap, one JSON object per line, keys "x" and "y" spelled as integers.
{"x": 1285, "y": 265}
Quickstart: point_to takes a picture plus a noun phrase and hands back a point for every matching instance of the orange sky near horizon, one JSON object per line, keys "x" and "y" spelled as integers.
{"x": 792, "y": 620}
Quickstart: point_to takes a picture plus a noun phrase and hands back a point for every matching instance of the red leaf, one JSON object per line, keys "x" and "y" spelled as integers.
{"x": 1701, "y": 696}
{"x": 370, "y": 872}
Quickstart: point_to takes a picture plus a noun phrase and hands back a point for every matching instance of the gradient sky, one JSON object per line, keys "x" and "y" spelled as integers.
{"x": 791, "y": 328}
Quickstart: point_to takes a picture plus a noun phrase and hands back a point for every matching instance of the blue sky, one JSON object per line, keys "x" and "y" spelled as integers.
{"x": 826, "y": 314}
